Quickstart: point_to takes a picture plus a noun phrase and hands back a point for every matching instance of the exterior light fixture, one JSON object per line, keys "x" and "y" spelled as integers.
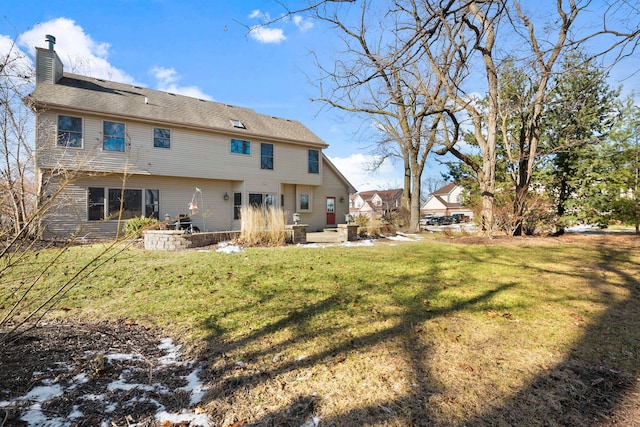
{"x": 226, "y": 196}
{"x": 347, "y": 218}
{"x": 341, "y": 199}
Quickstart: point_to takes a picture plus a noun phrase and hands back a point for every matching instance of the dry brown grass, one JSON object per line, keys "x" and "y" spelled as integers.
{"x": 260, "y": 226}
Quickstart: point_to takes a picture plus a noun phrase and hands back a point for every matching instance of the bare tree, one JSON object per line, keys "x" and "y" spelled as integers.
{"x": 381, "y": 76}
{"x": 17, "y": 189}
{"x": 487, "y": 34}
{"x": 465, "y": 43}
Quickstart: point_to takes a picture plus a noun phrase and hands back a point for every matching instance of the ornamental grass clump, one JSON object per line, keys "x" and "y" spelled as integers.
{"x": 262, "y": 226}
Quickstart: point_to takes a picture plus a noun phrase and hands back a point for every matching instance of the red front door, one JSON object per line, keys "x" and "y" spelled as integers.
{"x": 331, "y": 211}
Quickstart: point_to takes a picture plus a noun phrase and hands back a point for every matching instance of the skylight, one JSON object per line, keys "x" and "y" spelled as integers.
{"x": 238, "y": 124}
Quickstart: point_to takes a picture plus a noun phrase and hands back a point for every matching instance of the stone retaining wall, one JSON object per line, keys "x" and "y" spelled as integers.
{"x": 172, "y": 240}
{"x": 296, "y": 233}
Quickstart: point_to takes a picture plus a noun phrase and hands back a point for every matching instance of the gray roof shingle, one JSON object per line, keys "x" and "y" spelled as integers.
{"x": 123, "y": 100}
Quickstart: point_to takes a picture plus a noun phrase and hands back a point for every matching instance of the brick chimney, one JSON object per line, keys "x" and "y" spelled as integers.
{"x": 49, "y": 67}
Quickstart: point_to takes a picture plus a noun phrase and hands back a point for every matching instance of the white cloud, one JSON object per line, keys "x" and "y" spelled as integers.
{"x": 256, "y": 14}
{"x": 81, "y": 54}
{"x": 302, "y": 24}
{"x": 165, "y": 76}
{"x": 356, "y": 168}
{"x": 77, "y": 50}
{"x": 267, "y": 35}
{"x": 167, "y": 81}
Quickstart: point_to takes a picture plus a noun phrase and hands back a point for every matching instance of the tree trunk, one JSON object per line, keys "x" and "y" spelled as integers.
{"x": 406, "y": 189}
{"x": 519, "y": 205}
{"x": 414, "y": 209}
{"x": 487, "y": 190}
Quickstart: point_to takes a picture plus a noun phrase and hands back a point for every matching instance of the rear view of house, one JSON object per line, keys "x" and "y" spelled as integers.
{"x": 111, "y": 151}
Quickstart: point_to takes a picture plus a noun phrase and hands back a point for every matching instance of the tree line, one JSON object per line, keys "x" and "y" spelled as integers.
{"x": 516, "y": 93}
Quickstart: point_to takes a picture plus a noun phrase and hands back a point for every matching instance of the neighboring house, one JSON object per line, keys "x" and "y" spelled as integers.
{"x": 116, "y": 150}
{"x": 375, "y": 204}
{"x": 446, "y": 201}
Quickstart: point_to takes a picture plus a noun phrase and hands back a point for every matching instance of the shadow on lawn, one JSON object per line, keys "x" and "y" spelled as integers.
{"x": 584, "y": 389}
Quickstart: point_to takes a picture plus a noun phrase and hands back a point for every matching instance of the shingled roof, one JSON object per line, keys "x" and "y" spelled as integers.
{"x": 98, "y": 96}
{"x": 385, "y": 195}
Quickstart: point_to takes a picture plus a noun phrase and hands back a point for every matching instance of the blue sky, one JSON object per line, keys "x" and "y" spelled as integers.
{"x": 202, "y": 49}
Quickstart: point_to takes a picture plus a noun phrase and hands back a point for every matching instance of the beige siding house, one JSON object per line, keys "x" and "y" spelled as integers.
{"x": 112, "y": 151}
{"x": 375, "y": 204}
{"x": 446, "y": 201}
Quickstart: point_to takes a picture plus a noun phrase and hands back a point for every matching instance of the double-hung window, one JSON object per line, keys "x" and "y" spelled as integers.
{"x": 239, "y": 146}
{"x": 152, "y": 204}
{"x": 304, "y": 202}
{"x": 161, "y": 138}
{"x": 237, "y": 205}
{"x": 113, "y": 136}
{"x": 69, "y": 131}
{"x": 96, "y": 201}
{"x": 314, "y": 161}
{"x": 266, "y": 156}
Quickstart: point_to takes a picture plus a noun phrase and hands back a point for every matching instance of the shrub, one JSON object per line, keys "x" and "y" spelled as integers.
{"x": 362, "y": 220}
{"x": 135, "y": 226}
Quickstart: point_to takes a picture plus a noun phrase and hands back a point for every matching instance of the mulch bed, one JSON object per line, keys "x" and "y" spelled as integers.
{"x": 61, "y": 352}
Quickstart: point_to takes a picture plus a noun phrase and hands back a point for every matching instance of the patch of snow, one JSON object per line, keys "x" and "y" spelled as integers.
{"x": 121, "y": 384}
{"x": 173, "y": 352}
{"x": 368, "y": 242}
{"x": 81, "y": 378}
{"x": 120, "y": 356}
{"x": 313, "y": 422}
{"x": 35, "y": 417}
{"x": 229, "y": 249}
{"x": 194, "y": 420}
{"x": 194, "y": 387}
{"x": 43, "y": 393}
{"x": 406, "y": 237}
{"x": 75, "y": 413}
{"x": 311, "y": 245}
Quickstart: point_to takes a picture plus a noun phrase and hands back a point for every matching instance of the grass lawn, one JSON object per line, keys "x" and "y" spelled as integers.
{"x": 432, "y": 332}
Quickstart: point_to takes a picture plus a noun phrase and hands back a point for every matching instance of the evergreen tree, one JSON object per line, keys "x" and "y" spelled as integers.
{"x": 623, "y": 198}
{"x": 577, "y": 121}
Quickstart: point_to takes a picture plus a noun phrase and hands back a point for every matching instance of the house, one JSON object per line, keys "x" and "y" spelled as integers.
{"x": 375, "y": 204}
{"x": 446, "y": 201}
{"x": 112, "y": 151}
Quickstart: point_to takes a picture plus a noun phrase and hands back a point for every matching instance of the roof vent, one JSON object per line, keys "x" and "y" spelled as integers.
{"x": 51, "y": 40}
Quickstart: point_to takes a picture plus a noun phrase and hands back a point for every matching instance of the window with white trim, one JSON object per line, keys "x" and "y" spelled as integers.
{"x": 113, "y": 136}
{"x": 70, "y": 131}
{"x": 314, "y": 161}
{"x": 266, "y": 156}
{"x": 239, "y": 146}
{"x": 161, "y": 138}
